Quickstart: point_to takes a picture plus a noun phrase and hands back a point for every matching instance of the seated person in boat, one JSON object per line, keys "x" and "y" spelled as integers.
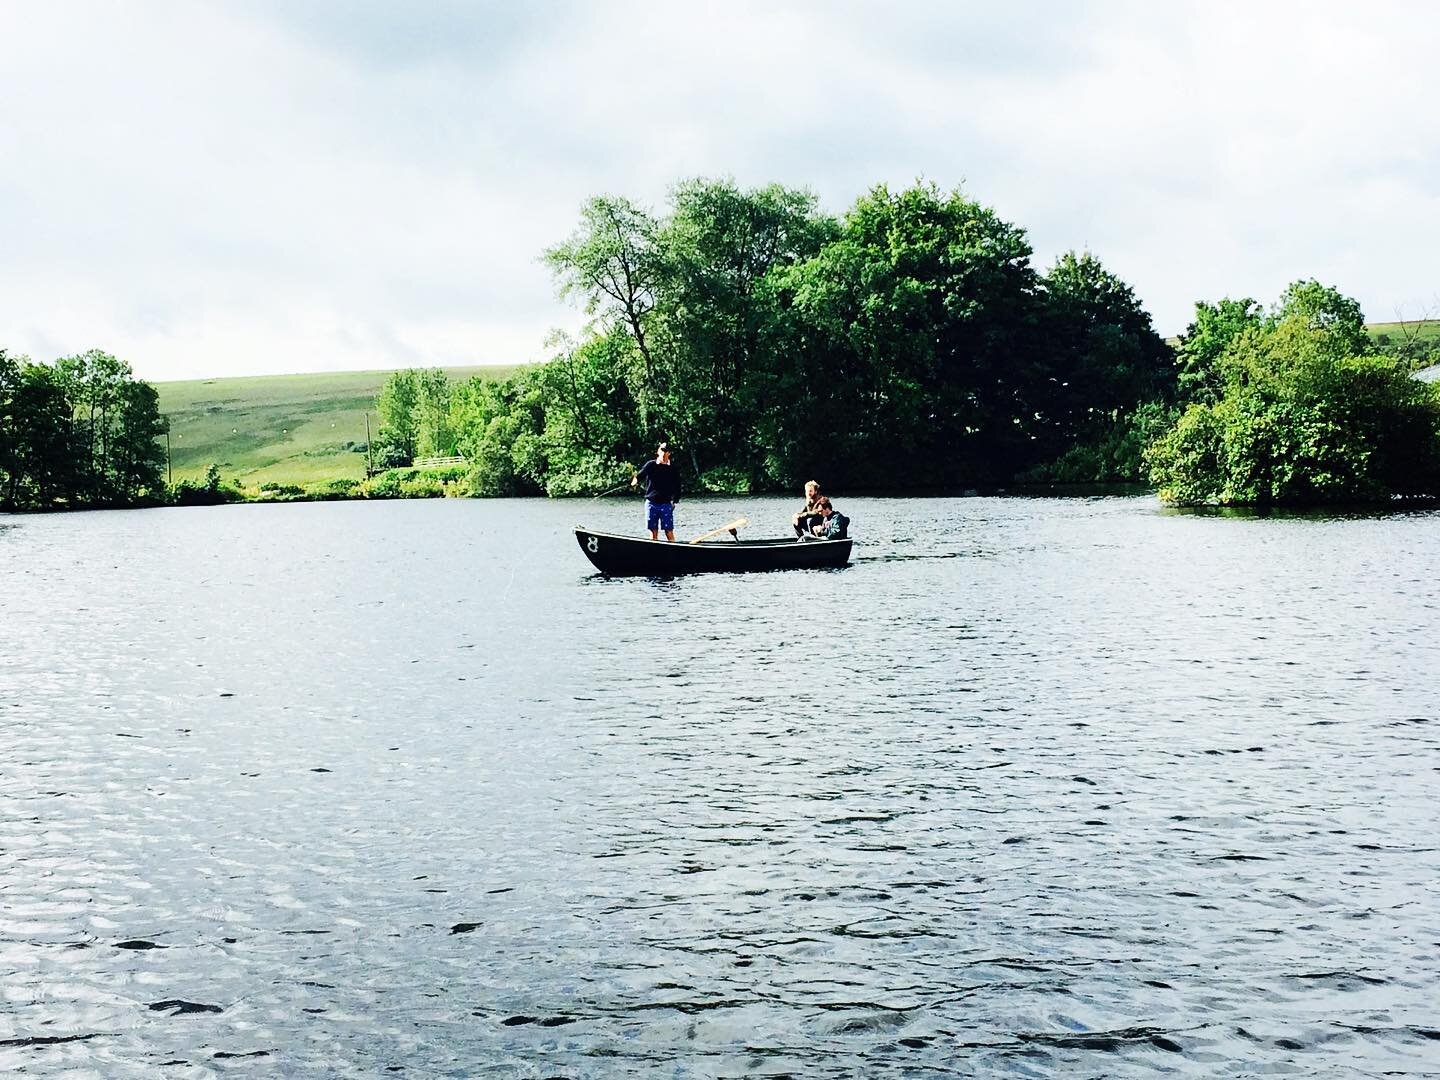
{"x": 833, "y": 524}
{"x": 662, "y": 492}
{"x": 808, "y": 516}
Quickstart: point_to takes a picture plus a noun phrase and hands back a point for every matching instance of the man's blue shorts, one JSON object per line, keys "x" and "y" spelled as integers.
{"x": 659, "y": 516}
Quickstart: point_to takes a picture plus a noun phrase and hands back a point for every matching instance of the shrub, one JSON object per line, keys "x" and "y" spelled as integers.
{"x": 385, "y": 485}
{"x": 415, "y": 483}
{"x": 276, "y": 492}
{"x": 422, "y": 486}
{"x": 343, "y": 488}
{"x": 211, "y": 491}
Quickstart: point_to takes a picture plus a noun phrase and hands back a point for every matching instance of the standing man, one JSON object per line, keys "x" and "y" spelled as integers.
{"x": 662, "y": 492}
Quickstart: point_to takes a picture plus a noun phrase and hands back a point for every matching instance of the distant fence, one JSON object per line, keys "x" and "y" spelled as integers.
{"x": 437, "y": 462}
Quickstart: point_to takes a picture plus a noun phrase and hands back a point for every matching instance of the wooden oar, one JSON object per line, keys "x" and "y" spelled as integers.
{"x": 722, "y": 529}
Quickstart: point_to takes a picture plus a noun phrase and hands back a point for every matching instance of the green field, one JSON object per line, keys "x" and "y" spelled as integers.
{"x": 1422, "y": 330}
{"x": 287, "y": 429}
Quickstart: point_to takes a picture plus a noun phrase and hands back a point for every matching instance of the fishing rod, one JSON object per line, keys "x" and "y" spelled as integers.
{"x": 612, "y": 491}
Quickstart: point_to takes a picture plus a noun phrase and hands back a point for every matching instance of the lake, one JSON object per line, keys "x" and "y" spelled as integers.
{"x": 1034, "y": 787}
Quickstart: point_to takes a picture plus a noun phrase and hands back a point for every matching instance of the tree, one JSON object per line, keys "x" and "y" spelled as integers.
{"x": 43, "y": 452}
{"x": 396, "y": 406}
{"x": 613, "y": 265}
{"x": 433, "y": 434}
{"x": 1205, "y": 340}
{"x": 498, "y": 425}
{"x": 94, "y": 384}
{"x": 721, "y": 245}
{"x": 910, "y": 343}
{"x": 688, "y": 292}
{"x": 136, "y": 459}
{"x": 1334, "y": 320}
{"x": 9, "y": 436}
{"x": 590, "y": 396}
{"x": 926, "y": 308}
{"x": 1103, "y": 362}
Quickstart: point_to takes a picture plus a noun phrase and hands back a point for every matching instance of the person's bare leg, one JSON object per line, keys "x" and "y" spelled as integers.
{"x": 654, "y": 534}
{"x": 670, "y": 535}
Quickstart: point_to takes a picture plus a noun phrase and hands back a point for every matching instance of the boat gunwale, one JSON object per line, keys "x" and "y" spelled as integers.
{"x": 723, "y": 545}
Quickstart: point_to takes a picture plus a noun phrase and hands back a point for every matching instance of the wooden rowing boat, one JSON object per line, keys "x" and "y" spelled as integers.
{"x": 629, "y": 556}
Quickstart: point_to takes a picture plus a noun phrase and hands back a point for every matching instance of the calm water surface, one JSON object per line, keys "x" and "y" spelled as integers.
{"x": 1034, "y": 788}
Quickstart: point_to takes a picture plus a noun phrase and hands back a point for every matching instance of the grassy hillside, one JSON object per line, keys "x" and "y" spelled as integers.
{"x": 289, "y": 429}
{"x": 1427, "y": 330}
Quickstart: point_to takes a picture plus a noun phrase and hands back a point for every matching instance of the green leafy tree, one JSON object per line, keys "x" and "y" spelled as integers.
{"x": 589, "y": 390}
{"x": 9, "y": 435}
{"x": 433, "y": 434}
{"x": 397, "y": 406}
{"x": 1334, "y": 320}
{"x": 919, "y": 321}
{"x": 910, "y": 343}
{"x": 613, "y": 265}
{"x": 135, "y": 458}
{"x": 1104, "y": 362}
{"x": 1205, "y": 340}
{"x": 722, "y": 245}
{"x": 95, "y": 385}
{"x": 499, "y": 426}
{"x": 689, "y": 293}
{"x": 44, "y": 465}
{"x": 1303, "y": 418}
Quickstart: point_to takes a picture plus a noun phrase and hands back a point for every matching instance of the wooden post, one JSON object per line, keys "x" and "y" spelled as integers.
{"x": 169, "y": 473}
{"x": 369, "y": 461}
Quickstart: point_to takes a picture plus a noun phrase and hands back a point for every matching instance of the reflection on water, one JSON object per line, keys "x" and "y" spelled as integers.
{"x": 1033, "y": 787}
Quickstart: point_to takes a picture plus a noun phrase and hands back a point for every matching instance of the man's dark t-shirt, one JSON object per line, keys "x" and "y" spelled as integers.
{"x": 661, "y": 483}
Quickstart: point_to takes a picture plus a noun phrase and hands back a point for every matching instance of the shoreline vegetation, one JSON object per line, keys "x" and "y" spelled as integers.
{"x": 906, "y": 345}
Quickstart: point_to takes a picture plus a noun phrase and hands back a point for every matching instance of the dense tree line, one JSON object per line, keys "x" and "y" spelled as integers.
{"x": 909, "y": 343}
{"x": 80, "y": 432}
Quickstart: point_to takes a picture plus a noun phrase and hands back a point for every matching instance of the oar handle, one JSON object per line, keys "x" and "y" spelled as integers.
{"x": 722, "y": 529}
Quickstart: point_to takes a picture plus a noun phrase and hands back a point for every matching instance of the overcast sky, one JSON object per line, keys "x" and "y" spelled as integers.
{"x": 273, "y": 186}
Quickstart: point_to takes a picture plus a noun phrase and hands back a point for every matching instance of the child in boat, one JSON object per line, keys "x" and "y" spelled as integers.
{"x": 833, "y": 524}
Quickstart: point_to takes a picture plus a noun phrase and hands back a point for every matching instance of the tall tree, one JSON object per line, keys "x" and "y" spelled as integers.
{"x": 45, "y": 453}
{"x": 1103, "y": 357}
{"x": 1205, "y": 340}
{"x": 94, "y": 384}
{"x": 927, "y": 304}
{"x": 612, "y": 265}
{"x": 433, "y": 434}
{"x": 135, "y": 458}
{"x": 721, "y": 245}
{"x": 396, "y": 405}
{"x": 9, "y": 433}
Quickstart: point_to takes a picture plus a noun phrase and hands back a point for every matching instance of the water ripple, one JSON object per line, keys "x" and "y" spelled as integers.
{"x": 1033, "y": 787}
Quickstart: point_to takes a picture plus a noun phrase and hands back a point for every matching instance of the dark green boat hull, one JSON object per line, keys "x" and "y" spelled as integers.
{"x": 631, "y": 556}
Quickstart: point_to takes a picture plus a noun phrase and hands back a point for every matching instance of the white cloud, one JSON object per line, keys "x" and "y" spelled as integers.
{"x": 276, "y": 187}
